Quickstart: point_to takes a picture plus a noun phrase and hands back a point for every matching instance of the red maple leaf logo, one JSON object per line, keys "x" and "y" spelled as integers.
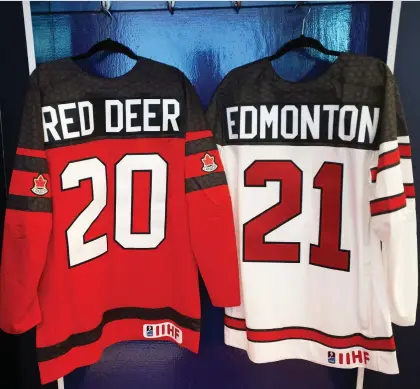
{"x": 208, "y": 163}
{"x": 208, "y": 159}
{"x": 40, "y": 181}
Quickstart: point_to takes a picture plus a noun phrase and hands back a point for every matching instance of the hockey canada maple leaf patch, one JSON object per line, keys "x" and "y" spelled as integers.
{"x": 208, "y": 163}
{"x": 40, "y": 185}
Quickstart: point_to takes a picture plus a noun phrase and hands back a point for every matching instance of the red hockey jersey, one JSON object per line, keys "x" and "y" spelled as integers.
{"x": 117, "y": 194}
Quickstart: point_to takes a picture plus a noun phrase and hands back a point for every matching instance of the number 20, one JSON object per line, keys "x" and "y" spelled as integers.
{"x": 93, "y": 169}
{"x": 329, "y": 180}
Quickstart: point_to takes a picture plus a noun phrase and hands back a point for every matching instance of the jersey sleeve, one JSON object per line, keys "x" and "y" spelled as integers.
{"x": 210, "y": 209}
{"x": 28, "y": 221}
{"x": 393, "y": 209}
{"x": 213, "y": 116}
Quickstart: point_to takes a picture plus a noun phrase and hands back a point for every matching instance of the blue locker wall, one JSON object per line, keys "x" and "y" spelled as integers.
{"x": 206, "y": 40}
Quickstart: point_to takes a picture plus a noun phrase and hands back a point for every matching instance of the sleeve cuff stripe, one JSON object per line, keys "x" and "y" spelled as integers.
{"x": 387, "y": 204}
{"x": 410, "y": 191}
{"x": 30, "y": 164}
{"x": 405, "y": 150}
{"x": 204, "y": 182}
{"x": 198, "y": 135}
{"x": 31, "y": 152}
{"x": 199, "y": 146}
{"x": 27, "y": 203}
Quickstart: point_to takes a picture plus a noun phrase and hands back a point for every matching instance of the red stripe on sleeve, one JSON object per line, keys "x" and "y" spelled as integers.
{"x": 194, "y": 164}
{"x": 409, "y": 191}
{"x": 405, "y": 150}
{"x": 355, "y": 340}
{"x": 22, "y": 184}
{"x": 194, "y": 135}
{"x": 373, "y": 173}
{"x": 387, "y": 204}
{"x": 30, "y": 152}
{"x": 388, "y": 159}
{"x": 236, "y": 324}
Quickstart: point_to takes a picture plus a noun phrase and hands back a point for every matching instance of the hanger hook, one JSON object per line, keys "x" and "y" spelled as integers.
{"x": 305, "y": 19}
{"x": 171, "y": 7}
{"x": 298, "y": 3}
{"x": 237, "y": 5}
{"x": 105, "y": 7}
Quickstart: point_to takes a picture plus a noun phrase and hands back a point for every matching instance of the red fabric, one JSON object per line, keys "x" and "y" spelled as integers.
{"x": 30, "y": 152}
{"x": 123, "y": 330}
{"x": 373, "y": 174}
{"x": 22, "y": 183}
{"x": 405, "y": 150}
{"x": 233, "y": 322}
{"x": 409, "y": 190}
{"x": 388, "y": 158}
{"x": 387, "y": 204}
{"x": 67, "y": 301}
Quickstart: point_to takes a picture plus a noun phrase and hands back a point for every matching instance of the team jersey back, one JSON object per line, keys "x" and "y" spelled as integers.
{"x": 115, "y": 184}
{"x": 321, "y": 181}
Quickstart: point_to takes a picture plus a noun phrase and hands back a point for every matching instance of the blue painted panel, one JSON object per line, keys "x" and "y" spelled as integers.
{"x": 205, "y": 44}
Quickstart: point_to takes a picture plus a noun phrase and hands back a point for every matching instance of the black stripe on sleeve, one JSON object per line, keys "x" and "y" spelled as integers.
{"x": 31, "y": 164}
{"x": 112, "y": 315}
{"x": 27, "y": 203}
{"x": 199, "y": 145}
{"x": 204, "y": 182}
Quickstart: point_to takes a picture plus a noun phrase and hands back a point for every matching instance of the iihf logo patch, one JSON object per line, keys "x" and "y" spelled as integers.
{"x": 149, "y": 330}
{"x": 40, "y": 185}
{"x": 331, "y": 356}
{"x": 208, "y": 163}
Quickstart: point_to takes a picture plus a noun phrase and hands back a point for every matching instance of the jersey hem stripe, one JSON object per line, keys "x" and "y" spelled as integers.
{"x": 113, "y": 315}
{"x": 311, "y": 334}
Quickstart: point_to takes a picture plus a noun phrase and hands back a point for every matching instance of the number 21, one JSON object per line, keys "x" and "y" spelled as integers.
{"x": 329, "y": 180}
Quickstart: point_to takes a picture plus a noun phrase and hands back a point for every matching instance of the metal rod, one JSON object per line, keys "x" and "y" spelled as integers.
{"x": 324, "y": 3}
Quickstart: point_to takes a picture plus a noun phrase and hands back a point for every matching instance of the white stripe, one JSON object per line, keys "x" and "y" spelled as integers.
{"x": 387, "y": 146}
{"x": 403, "y": 139}
{"x": 30, "y": 47}
{"x": 407, "y": 170}
{"x": 60, "y": 383}
{"x": 393, "y": 34}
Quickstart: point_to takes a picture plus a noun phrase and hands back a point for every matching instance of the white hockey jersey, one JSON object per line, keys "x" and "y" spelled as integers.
{"x": 321, "y": 180}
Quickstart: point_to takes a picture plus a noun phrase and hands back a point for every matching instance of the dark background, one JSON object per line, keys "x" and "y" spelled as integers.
{"x": 205, "y": 40}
